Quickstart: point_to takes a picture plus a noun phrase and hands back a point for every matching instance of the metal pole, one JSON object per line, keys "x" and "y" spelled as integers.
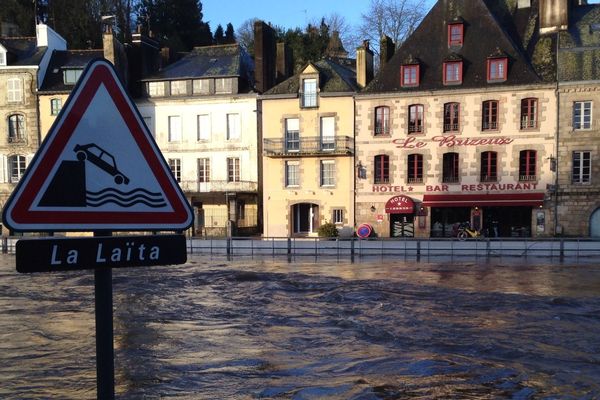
{"x": 105, "y": 364}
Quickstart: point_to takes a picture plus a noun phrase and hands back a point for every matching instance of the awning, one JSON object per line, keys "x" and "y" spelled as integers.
{"x": 484, "y": 200}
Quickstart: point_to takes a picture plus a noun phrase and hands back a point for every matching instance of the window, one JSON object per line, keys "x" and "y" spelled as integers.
{"x": 292, "y": 173}
{"x": 201, "y": 86}
{"x": 451, "y": 113}
{"x": 450, "y": 172}
{"x": 203, "y": 127}
{"x": 528, "y": 113}
{"x": 527, "y": 159}
{"x": 327, "y": 133}
{"x": 382, "y": 169}
{"x": 409, "y": 75}
{"x": 489, "y": 166}
{"x": 309, "y": 92}
{"x": 453, "y": 73}
{"x": 582, "y": 115}
{"x": 338, "y": 216}
{"x": 16, "y": 128}
{"x": 415, "y": 118}
{"x": 175, "y": 165}
{"x": 17, "y": 165}
{"x": 204, "y": 170}
{"x": 327, "y": 173}
{"x": 496, "y": 69}
{"x": 55, "y": 106}
{"x": 292, "y": 134}
{"x": 489, "y": 115}
{"x": 178, "y": 88}
{"x": 14, "y": 90}
{"x": 233, "y": 169}
{"x": 382, "y": 121}
{"x": 233, "y": 127}
{"x": 455, "y": 34}
{"x": 415, "y": 168}
{"x": 224, "y": 85}
{"x": 582, "y": 166}
{"x": 71, "y": 76}
{"x": 156, "y": 89}
{"x": 174, "y": 129}
{"x": 2, "y": 58}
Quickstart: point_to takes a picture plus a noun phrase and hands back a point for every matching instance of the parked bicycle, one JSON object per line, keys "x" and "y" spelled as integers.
{"x": 465, "y": 231}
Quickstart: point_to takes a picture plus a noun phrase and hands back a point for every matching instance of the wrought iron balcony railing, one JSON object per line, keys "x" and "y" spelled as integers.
{"x": 308, "y": 146}
{"x": 218, "y": 186}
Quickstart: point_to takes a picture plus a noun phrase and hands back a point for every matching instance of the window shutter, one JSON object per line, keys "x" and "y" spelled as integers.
{"x": 3, "y": 169}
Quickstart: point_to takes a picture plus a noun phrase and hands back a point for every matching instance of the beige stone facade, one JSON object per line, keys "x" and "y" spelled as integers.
{"x": 578, "y": 186}
{"x": 488, "y": 197}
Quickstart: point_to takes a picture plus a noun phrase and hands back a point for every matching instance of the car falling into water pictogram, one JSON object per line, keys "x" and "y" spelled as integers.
{"x": 102, "y": 159}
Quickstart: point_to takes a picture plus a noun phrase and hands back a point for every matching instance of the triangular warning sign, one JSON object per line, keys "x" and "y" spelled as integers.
{"x": 98, "y": 169}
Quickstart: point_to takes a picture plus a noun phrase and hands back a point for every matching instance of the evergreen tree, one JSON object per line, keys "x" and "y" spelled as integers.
{"x": 219, "y": 37}
{"x": 80, "y": 26}
{"x": 229, "y": 34}
{"x": 20, "y": 13}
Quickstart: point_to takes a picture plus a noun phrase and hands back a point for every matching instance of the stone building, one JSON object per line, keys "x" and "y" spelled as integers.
{"x": 577, "y": 189}
{"x": 460, "y": 125}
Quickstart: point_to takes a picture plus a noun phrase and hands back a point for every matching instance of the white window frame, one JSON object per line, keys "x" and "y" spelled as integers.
{"x": 328, "y": 133}
{"x": 233, "y": 169}
{"x": 17, "y": 165}
{"x": 14, "y": 90}
{"x": 292, "y": 173}
{"x": 175, "y": 128}
{"x": 55, "y": 106}
{"x": 2, "y": 58}
{"x": 204, "y": 172}
{"x": 156, "y": 89}
{"x": 223, "y": 85}
{"x": 178, "y": 88}
{"x": 337, "y": 216}
{"x": 309, "y": 92}
{"x": 203, "y": 127}
{"x": 580, "y": 173}
{"x": 327, "y": 173}
{"x": 581, "y": 110}
{"x": 234, "y": 126}
{"x": 175, "y": 165}
{"x": 71, "y": 75}
{"x": 201, "y": 86}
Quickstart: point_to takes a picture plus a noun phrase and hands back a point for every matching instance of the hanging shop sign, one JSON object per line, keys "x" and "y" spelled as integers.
{"x": 400, "y": 205}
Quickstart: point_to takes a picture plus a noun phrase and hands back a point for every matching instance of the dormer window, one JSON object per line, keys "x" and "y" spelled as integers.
{"x": 455, "y": 34}
{"x": 2, "y": 58}
{"x": 70, "y": 76}
{"x": 497, "y": 69}
{"x": 409, "y": 75}
{"x": 453, "y": 72}
{"x": 309, "y": 92}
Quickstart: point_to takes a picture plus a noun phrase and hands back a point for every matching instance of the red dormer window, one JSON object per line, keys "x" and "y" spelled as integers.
{"x": 453, "y": 73}
{"x": 497, "y": 69}
{"x": 455, "y": 34}
{"x": 409, "y": 75}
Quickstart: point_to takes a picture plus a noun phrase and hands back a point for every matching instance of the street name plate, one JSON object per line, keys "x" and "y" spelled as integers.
{"x": 68, "y": 254}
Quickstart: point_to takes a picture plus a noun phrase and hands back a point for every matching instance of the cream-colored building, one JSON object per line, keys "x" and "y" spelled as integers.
{"x": 459, "y": 127}
{"x": 308, "y": 150}
{"x": 202, "y": 112}
{"x": 23, "y": 65}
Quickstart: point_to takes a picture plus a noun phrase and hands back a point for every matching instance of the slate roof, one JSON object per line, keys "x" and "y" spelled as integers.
{"x": 484, "y": 35}
{"x": 66, "y": 59}
{"x": 335, "y": 76}
{"x": 579, "y": 50}
{"x": 209, "y": 62}
{"x": 22, "y": 51}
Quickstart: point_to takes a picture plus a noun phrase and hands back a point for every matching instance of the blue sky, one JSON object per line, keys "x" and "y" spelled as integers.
{"x": 285, "y": 13}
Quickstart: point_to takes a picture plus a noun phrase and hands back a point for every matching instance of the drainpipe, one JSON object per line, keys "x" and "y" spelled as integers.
{"x": 557, "y": 137}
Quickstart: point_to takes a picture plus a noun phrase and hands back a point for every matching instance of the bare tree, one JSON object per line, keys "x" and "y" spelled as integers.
{"x": 245, "y": 35}
{"x": 394, "y": 18}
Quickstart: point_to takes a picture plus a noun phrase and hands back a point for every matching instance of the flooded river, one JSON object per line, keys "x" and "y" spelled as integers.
{"x": 252, "y": 329}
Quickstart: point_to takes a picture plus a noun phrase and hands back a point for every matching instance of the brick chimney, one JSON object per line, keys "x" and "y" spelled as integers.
{"x": 265, "y": 52}
{"x": 114, "y": 51}
{"x": 285, "y": 64}
{"x": 386, "y": 49}
{"x": 364, "y": 64}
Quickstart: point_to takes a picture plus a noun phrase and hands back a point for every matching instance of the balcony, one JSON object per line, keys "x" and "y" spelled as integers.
{"x": 218, "y": 186}
{"x": 308, "y": 146}
{"x": 527, "y": 178}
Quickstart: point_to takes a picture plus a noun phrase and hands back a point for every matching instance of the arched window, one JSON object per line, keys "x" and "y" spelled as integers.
{"x": 382, "y": 168}
{"x": 16, "y": 128}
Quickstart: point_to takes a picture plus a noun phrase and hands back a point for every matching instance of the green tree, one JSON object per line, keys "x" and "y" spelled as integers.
{"x": 308, "y": 45}
{"x": 80, "y": 26}
{"x": 229, "y": 34}
{"x": 219, "y": 37}
{"x": 21, "y": 13}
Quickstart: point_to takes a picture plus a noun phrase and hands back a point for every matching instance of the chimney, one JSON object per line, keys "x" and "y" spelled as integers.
{"x": 554, "y": 16}
{"x": 113, "y": 50}
{"x": 265, "y": 52}
{"x": 364, "y": 64}
{"x": 387, "y": 49}
{"x": 284, "y": 62}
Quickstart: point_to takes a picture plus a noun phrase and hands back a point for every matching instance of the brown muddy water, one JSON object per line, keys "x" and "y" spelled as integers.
{"x": 214, "y": 329}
